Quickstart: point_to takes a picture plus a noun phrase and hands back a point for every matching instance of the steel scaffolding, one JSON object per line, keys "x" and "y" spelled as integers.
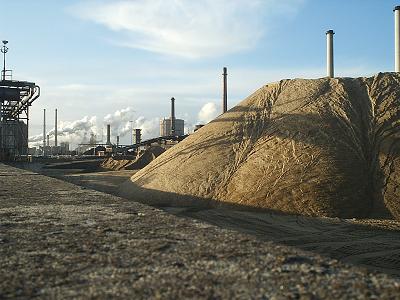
{"x": 15, "y": 99}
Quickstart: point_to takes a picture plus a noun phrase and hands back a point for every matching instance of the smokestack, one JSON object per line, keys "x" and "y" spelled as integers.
{"x": 55, "y": 129}
{"x": 44, "y": 128}
{"x": 225, "y": 91}
{"x": 117, "y": 140}
{"x": 108, "y": 134}
{"x": 138, "y": 135}
{"x": 397, "y": 39}
{"x": 329, "y": 54}
{"x": 48, "y": 140}
{"x": 172, "y": 116}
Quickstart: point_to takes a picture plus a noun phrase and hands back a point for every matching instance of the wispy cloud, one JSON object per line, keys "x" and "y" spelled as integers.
{"x": 185, "y": 27}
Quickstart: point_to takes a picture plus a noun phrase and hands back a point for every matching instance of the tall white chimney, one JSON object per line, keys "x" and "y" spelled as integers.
{"x": 55, "y": 129}
{"x": 397, "y": 39}
{"x": 44, "y": 129}
{"x": 329, "y": 54}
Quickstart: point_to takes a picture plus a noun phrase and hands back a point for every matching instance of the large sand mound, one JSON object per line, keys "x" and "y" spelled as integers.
{"x": 327, "y": 147}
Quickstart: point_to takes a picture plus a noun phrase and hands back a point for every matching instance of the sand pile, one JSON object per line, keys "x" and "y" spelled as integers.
{"x": 325, "y": 147}
{"x": 134, "y": 163}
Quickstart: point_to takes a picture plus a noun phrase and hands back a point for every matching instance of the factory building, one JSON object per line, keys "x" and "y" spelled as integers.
{"x": 172, "y": 126}
{"x": 166, "y": 127}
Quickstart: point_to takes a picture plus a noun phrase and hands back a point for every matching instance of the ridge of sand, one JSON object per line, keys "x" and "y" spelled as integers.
{"x": 322, "y": 147}
{"x": 139, "y": 162}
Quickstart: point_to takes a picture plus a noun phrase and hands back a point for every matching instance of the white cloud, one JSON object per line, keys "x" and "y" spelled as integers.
{"x": 185, "y": 27}
{"x": 207, "y": 113}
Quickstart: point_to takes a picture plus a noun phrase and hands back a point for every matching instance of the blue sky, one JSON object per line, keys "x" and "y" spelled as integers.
{"x": 128, "y": 58}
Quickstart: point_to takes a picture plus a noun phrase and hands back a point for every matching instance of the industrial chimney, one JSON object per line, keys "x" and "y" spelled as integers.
{"x": 108, "y": 134}
{"x": 329, "y": 54}
{"x": 137, "y": 135}
{"x": 397, "y": 39}
{"x": 55, "y": 129}
{"x": 44, "y": 129}
{"x": 225, "y": 91}
{"x": 172, "y": 116}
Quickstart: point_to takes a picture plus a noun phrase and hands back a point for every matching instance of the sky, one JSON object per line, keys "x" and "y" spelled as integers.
{"x": 116, "y": 61}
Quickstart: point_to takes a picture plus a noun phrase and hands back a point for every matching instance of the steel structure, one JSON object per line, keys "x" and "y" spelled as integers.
{"x": 15, "y": 99}
{"x": 162, "y": 140}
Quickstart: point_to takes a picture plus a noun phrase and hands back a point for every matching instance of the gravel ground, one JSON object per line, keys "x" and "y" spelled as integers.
{"x": 58, "y": 240}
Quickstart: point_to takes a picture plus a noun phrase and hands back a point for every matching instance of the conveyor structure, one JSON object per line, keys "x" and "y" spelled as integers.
{"x": 15, "y": 99}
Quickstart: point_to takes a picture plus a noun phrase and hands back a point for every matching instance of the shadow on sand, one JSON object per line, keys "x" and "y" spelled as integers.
{"x": 373, "y": 244}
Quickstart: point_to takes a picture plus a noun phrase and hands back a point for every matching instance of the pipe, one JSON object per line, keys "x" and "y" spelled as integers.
{"x": 108, "y": 134}
{"x": 172, "y": 116}
{"x": 329, "y": 54}
{"x": 55, "y": 129}
{"x": 397, "y": 38}
{"x": 225, "y": 91}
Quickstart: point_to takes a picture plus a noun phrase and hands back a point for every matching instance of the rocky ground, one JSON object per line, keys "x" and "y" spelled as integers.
{"x": 370, "y": 243}
{"x": 59, "y": 240}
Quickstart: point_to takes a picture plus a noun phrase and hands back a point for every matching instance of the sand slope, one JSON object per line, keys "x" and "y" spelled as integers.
{"x": 327, "y": 147}
{"x": 142, "y": 160}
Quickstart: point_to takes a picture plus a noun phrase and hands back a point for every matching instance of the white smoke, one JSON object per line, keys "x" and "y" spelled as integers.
{"x": 150, "y": 127}
{"x": 119, "y": 117}
{"x": 120, "y": 121}
{"x": 72, "y": 132}
{"x": 79, "y": 131}
{"x": 207, "y": 113}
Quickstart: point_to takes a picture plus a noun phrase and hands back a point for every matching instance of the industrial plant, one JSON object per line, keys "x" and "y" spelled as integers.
{"x": 16, "y": 97}
{"x": 172, "y": 126}
{"x": 133, "y": 178}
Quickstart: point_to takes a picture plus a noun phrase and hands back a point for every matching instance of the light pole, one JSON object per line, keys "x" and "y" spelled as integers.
{"x": 4, "y": 50}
